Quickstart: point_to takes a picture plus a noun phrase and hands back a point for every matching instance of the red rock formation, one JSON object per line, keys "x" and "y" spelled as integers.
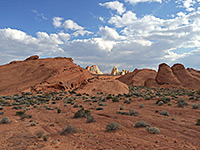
{"x": 94, "y": 69}
{"x": 35, "y": 57}
{"x": 41, "y": 75}
{"x": 166, "y": 76}
{"x": 194, "y": 72}
{"x": 185, "y": 77}
{"x": 138, "y": 77}
{"x": 109, "y": 86}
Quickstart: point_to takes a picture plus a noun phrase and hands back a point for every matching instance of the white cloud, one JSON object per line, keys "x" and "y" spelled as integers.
{"x": 109, "y": 33}
{"x": 142, "y": 1}
{"x": 128, "y": 18}
{"x": 102, "y": 19}
{"x": 115, "y": 5}
{"x": 187, "y": 4}
{"x": 57, "y": 21}
{"x": 16, "y": 44}
{"x": 70, "y": 24}
{"x": 41, "y": 15}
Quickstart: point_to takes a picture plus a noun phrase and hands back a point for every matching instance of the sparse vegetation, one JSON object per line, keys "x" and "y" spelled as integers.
{"x": 165, "y": 113}
{"x": 68, "y": 130}
{"x": 5, "y": 120}
{"x": 198, "y": 122}
{"x": 90, "y": 119}
{"x": 133, "y": 112}
{"x": 39, "y": 134}
{"x": 153, "y": 130}
{"x": 112, "y": 127}
{"x": 82, "y": 113}
{"x": 140, "y": 124}
{"x": 182, "y": 103}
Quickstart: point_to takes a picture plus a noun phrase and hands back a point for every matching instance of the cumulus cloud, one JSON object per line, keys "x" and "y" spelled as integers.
{"x": 115, "y": 5}
{"x": 187, "y": 4}
{"x": 57, "y": 21}
{"x": 142, "y": 1}
{"x": 16, "y": 44}
{"x": 109, "y": 33}
{"x": 70, "y": 25}
{"x": 128, "y": 18}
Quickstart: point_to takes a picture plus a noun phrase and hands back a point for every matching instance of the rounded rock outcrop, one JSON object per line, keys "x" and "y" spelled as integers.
{"x": 165, "y": 75}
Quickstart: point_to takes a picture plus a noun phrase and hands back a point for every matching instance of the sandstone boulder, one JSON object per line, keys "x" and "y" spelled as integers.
{"x": 166, "y": 76}
{"x": 185, "y": 77}
{"x": 94, "y": 69}
{"x": 35, "y": 57}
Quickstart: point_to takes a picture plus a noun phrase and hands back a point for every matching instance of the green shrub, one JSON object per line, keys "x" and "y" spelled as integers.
{"x": 5, "y": 120}
{"x": 133, "y": 112}
{"x": 165, "y": 113}
{"x": 112, "y": 127}
{"x": 141, "y": 124}
{"x": 20, "y": 113}
{"x": 198, "y": 122}
{"x": 90, "y": 119}
{"x": 189, "y": 93}
{"x": 196, "y": 106}
{"x": 141, "y": 106}
{"x": 58, "y": 111}
{"x": 198, "y": 91}
{"x": 82, "y": 113}
{"x": 39, "y": 134}
{"x": 153, "y": 130}
{"x": 182, "y": 103}
{"x": 115, "y": 99}
{"x": 121, "y": 107}
{"x": 68, "y": 130}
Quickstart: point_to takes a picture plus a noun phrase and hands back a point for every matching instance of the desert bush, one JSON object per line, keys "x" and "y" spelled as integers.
{"x": 90, "y": 119}
{"x": 196, "y": 106}
{"x": 198, "y": 91}
{"x": 115, "y": 99}
{"x": 101, "y": 104}
{"x": 190, "y": 93}
{"x": 160, "y": 103}
{"x": 112, "y": 127}
{"x": 82, "y": 113}
{"x": 99, "y": 108}
{"x": 182, "y": 103}
{"x": 1, "y": 108}
{"x": 58, "y": 111}
{"x": 153, "y": 130}
{"x": 121, "y": 107}
{"x": 68, "y": 130}
{"x": 141, "y": 124}
{"x": 133, "y": 112}
{"x": 5, "y": 120}
{"x": 39, "y": 134}
{"x": 141, "y": 106}
{"x": 165, "y": 113}
{"x": 33, "y": 124}
{"x": 20, "y": 113}
{"x": 127, "y": 101}
{"x": 198, "y": 122}
{"x": 76, "y": 106}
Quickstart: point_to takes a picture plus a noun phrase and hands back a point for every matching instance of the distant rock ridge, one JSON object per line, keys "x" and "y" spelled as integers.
{"x": 175, "y": 77}
{"x": 94, "y": 69}
{"x": 116, "y": 72}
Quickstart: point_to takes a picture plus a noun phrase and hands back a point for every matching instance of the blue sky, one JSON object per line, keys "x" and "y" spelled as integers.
{"x": 125, "y": 33}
